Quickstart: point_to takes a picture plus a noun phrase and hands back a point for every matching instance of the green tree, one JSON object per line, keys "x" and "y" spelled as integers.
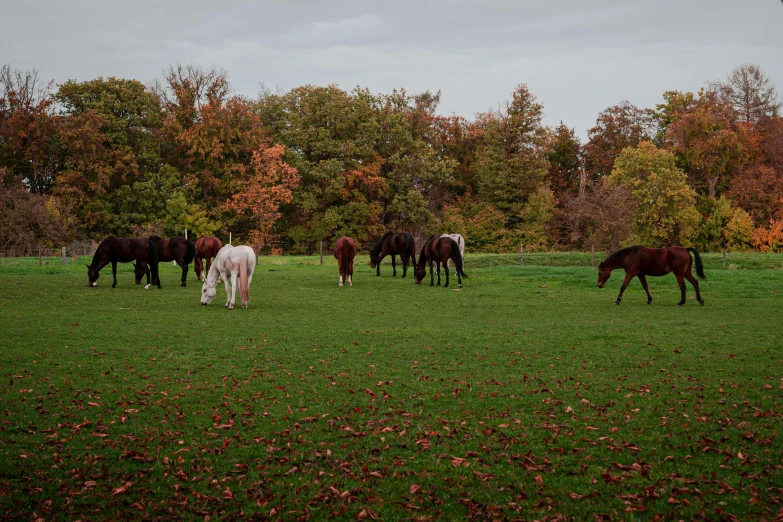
{"x": 665, "y": 212}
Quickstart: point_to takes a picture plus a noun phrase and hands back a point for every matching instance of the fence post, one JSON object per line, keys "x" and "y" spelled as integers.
{"x": 522, "y": 255}
{"x": 40, "y": 256}
{"x": 724, "y": 258}
{"x": 592, "y": 256}
{"x": 64, "y": 260}
{"x": 322, "y": 252}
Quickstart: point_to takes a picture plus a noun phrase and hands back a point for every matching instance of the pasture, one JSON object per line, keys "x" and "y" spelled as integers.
{"x": 527, "y": 394}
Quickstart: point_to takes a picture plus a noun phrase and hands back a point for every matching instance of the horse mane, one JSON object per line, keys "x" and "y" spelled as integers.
{"x": 155, "y": 239}
{"x": 621, "y": 253}
{"x": 377, "y": 248}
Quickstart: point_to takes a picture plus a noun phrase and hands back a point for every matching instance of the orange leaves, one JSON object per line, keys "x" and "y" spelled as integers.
{"x": 260, "y": 196}
{"x": 122, "y": 489}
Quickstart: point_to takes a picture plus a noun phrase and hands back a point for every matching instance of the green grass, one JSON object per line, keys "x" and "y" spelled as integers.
{"x": 528, "y": 393}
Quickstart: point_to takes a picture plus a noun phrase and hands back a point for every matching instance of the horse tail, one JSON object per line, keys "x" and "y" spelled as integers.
{"x": 244, "y": 287}
{"x": 457, "y": 257}
{"x": 152, "y": 261}
{"x": 190, "y": 253}
{"x": 699, "y": 264}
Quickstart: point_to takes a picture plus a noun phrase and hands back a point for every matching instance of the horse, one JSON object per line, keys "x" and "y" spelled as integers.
{"x": 392, "y": 244}
{"x": 439, "y": 250}
{"x": 639, "y": 261}
{"x": 176, "y": 249}
{"x": 344, "y": 252}
{"x": 460, "y": 243}
{"x": 231, "y": 263}
{"x": 207, "y": 247}
{"x": 124, "y": 250}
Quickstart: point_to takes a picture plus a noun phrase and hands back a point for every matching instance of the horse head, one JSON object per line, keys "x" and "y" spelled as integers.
{"x": 419, "y": 272}
{"x": 138, "y": 272}
{"x": 374, "y": 258}
{"x": 207, "y": 292}
{"x": 92, "y": 276}
{"x": 603, "y": 275}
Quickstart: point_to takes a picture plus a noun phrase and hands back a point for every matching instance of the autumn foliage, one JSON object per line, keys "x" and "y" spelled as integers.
{"x": 319, "y": 162}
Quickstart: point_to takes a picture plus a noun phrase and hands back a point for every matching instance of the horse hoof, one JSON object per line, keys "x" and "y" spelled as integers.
{"x": 649, "y": 302}
{"x": 701, "y": 301}
{"x": 183, "y": 284}
{"x": 459, "y": 286}
{"x": 244, "y": 306}
{"x": 147, "y": 287}
{"x": 680, "y": 304}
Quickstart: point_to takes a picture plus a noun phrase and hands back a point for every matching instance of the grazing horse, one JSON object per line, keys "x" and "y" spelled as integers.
{"x": 392, "y": 244}
{"x": 231, "y": 263}
{"x": 124, "y": 250}
{"x": 639, "y": 261}
{"x": 207, "y": 247}
{"x": 439, "y": 250}
{"x": 460, "y": 243}
{"x": 345, "y": 251}
{"x": 176, "y": 249}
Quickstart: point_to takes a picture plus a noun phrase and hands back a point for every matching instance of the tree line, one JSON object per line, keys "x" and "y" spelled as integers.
{"x": 83, "y": 160}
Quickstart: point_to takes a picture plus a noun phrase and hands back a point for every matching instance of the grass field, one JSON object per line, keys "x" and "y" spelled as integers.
{"x": 527, "y": 394}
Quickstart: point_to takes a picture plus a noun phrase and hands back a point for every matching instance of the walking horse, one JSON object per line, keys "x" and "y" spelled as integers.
{"x": 639, "y": 261}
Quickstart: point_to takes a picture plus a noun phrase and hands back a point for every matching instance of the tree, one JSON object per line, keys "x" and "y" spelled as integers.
{"x": 565, "y": 161}
{"x": 723, "y": 226}
{"x": 29, "y": 145}
{"x": 665, "y": 212}
{"x": 618, "y": 127}
{"x": 511, "y": 163}
{"x": 260, "y": 195}
{"x": 710, "y": 146}
{"x": 601, "y": 216}
{"x": 751, "y": 93}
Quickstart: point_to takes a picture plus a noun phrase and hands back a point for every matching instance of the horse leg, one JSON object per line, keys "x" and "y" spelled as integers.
{"x": 394, "y": 266}
{"x": 446, "y": 269}
{"x": 432, "y": 278}
{"x": 234, "y": 277}
{"x": 404, "y": 260}
{"x": 695, "y": 284}
{"x": 147, "y": 271}
{"x": 681, "y": 282}
{"x": 644, "y": 284}
{"x": 114, "y": 273}
{"x": 228, "y": 290}
{"x": 184, "y": 267}
{"x": 437, "y": 269}
{"x": 626, "y": 281}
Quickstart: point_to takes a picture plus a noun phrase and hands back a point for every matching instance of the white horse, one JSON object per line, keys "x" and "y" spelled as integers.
{"x": 231, "y": 263}
{"x": 460, "y": 243}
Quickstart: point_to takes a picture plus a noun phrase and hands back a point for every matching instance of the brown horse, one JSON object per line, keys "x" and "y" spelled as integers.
{"x": 439, "y": 250}
{"x": 392, "y": 244}
{"x": 207, "y": 247}
{"x": 124, "y": 250}
{"x": 639, "y": 261}
{"x": 177, "y": 249}
{"x": 344, "y": 252}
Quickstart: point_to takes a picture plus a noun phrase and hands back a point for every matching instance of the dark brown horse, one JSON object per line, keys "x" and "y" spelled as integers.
{"x": 439, "y": 250}
{"x": 177, "y": 249}
{"x": 639, "y": 261}
{"x": 207, "y": 247}
{"x": 344, "y": 252}
{"x": 392, "y": 244}
{"x": 124, "y": 250}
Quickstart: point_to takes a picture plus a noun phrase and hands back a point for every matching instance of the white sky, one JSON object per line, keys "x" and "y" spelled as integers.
{"x": 577, "y": 57}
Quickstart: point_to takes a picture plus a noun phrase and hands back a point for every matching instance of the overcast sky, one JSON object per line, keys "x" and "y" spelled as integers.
{"x": 577, "y": 57}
